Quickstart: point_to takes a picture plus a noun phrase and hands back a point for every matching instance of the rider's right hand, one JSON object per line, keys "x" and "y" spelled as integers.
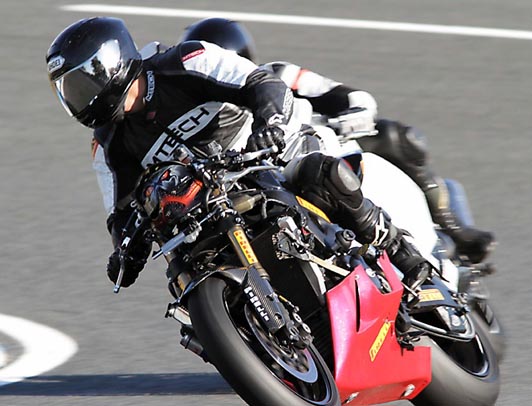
{"x": 132, "y": 266}
{"x": 266, "y": 137}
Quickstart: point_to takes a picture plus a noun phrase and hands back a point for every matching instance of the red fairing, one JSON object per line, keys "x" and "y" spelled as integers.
{"x": 369, "y": 361}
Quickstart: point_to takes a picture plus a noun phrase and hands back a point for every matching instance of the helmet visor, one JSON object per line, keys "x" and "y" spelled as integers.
{"x": 81, "y": 85}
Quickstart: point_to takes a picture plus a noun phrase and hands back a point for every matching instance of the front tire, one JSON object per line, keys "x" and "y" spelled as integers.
{"x": 236, "y": 352}
{"x": 463, "y": 374}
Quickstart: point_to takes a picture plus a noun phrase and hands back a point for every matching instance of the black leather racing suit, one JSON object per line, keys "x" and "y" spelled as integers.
{"x": 192, "y": 97}
{"x": 193, "y": 93}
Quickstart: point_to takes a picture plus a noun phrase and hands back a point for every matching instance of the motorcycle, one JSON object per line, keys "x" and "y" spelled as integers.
{"x": 288, "y": 306}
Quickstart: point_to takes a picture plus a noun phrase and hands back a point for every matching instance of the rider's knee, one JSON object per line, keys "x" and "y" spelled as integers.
{"x": 333, "y": 175}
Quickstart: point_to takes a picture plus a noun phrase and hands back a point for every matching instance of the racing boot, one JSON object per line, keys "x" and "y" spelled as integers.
{"x": 471, "y": 242}
{"x": 372, "y": 225}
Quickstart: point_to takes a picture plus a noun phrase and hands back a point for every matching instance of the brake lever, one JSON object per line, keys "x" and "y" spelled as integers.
{"x": 130, "y": 230}
{"x": 123, "y": 248}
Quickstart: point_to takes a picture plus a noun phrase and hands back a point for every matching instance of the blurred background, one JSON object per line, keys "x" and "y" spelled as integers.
{"x": 471, "y": 96}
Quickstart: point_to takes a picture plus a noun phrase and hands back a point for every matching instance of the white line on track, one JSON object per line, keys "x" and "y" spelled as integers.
{"x": 302, "y": 20}
{"x": 44, "y": 348}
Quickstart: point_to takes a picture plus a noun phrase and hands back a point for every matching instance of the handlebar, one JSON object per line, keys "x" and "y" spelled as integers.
{"x": 232, "y": 165}
{"x": 251, "y": 156}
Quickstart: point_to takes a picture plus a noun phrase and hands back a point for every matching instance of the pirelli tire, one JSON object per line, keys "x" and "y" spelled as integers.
{"x": 484, "y": 314}
{"x": 252, "y": 374}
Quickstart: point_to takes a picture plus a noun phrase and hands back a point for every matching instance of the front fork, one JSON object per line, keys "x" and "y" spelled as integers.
{"x": 272, "y": 310}
{"x": 277, "y": 315}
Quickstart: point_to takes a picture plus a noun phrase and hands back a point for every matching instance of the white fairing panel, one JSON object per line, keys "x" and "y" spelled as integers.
{"x": 390, "y": 188}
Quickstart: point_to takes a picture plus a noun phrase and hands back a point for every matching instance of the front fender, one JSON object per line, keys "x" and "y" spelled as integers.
{"x": 230, "y": 274}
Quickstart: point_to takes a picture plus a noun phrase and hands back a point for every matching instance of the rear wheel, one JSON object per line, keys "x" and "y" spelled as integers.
{"x": 484, "y": 315}
{"x": 463, "y": 373}
{"x": 262, "y": 370}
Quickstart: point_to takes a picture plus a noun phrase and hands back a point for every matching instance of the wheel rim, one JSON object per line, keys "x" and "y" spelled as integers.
{"x": 470, "y": 356}
{"x": 301, "y": 375}
{"x": 298, "y": 363}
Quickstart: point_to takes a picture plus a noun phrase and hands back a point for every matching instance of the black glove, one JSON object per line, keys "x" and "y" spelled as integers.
{"x": 266, "y": 137}
{"x": 132, "y": 264}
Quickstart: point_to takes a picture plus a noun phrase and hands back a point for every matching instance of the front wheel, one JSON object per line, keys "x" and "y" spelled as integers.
{"x": 463, "y": 373}
{"x": 259, "y": 368}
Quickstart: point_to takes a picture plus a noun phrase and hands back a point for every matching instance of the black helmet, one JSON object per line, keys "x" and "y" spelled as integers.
{"x": 225, "y": 33}
{"x": 167, "y": 191}
{"x": 91, "y": 65}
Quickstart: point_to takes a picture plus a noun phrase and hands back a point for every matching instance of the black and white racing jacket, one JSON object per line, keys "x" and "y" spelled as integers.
{"x": 196, "y": 92}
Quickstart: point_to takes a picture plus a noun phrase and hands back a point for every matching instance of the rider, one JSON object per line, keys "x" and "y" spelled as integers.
{"x": 141, "y": 110}
{"x": 402, "y": 145}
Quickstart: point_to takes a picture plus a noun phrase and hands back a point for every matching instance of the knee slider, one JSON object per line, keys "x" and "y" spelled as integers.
{"x": 343, "y": 178}
{"x": 309, "y": 176}
{"x": 330, "y": 178}
{"x": 342, "y": 183}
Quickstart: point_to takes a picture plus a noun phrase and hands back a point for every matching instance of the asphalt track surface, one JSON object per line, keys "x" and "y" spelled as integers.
{"x": 471, "y": 96}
